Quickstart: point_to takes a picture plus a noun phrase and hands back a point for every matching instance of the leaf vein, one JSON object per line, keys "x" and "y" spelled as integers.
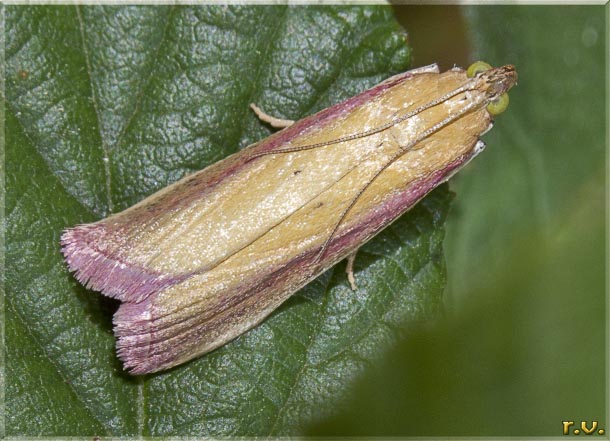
{"x": 94, "y": 99}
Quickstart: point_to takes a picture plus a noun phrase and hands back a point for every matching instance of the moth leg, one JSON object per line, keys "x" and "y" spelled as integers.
{"x": 350, "y": 270}
{"x": 274, "y": 122}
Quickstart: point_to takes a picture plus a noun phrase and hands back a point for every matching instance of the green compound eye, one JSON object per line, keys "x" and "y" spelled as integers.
{"x": 476, "y": 68}
{"x": 498, "y": 105}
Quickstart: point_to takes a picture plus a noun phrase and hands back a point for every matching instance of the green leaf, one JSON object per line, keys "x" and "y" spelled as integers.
{"x": 105, "y": 105}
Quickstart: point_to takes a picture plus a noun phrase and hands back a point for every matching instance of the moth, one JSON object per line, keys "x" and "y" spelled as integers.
{"x": 202, "y": 261}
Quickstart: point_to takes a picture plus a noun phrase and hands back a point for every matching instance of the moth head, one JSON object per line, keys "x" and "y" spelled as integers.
{"x": 494, "y": 82}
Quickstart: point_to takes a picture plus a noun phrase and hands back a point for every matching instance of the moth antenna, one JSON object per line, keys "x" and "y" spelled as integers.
{"x": 468, "y": 86}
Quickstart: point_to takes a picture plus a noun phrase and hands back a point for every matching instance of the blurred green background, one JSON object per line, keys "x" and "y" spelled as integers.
{"x": 524, "y": 346}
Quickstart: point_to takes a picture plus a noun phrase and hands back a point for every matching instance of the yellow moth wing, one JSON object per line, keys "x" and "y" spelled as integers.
{"x": 203, "y": 231}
